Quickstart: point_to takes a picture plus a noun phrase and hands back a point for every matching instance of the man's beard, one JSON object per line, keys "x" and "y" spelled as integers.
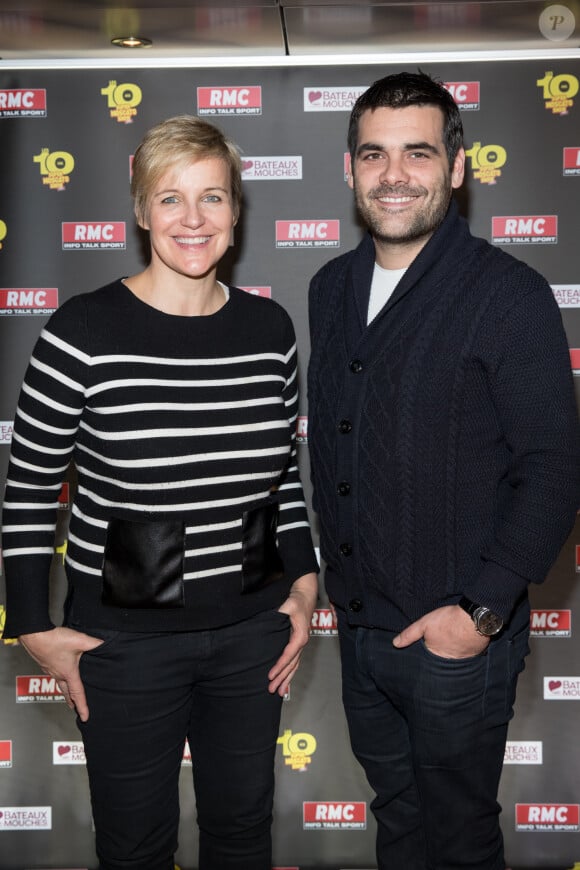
{"x": 421, "y": 224}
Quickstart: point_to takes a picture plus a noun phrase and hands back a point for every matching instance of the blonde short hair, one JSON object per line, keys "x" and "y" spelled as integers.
{"x": 181, "y": 139}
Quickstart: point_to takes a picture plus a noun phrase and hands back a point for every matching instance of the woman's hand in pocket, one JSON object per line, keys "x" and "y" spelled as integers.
{"x": 58, "y": 653}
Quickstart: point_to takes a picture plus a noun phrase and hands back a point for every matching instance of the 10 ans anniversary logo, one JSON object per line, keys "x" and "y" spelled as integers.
{"x": 122, "y": 100}
{"x": 55, "y": 167}
{"x": 5, "y": 641}
{"x": 558, "y": 92}
{"x": 297, "y": 749}
{"x": 486, "y": 161}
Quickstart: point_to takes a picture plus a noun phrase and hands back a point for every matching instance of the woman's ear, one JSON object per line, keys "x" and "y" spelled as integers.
{"x": 141, "y": 218}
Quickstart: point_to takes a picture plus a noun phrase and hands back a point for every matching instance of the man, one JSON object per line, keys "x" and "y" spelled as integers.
{"x": 444, "y": 440}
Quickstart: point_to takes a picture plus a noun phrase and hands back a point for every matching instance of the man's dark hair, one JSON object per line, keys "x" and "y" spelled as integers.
{"x": 404, "y": 89}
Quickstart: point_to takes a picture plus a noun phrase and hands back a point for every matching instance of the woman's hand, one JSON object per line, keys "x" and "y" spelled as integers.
{"x": 58, "y": 652}
{"x": 299, "y": 606}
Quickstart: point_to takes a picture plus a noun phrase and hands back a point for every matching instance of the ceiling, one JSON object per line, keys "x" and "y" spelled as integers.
{"x": 60, "y": 30}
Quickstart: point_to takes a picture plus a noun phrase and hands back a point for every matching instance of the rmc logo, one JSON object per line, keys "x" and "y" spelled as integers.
{"x": 525, "y": 229}
{"x": 308, "y": 234}
{"x": 230, "y": 101}
{"x": 27, "y": 300}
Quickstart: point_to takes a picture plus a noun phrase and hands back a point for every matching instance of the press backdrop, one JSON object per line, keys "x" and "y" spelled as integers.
{"x": 66, "y": 226}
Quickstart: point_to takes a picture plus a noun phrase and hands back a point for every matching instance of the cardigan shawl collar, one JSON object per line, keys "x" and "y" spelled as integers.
{"x": 434, "y": 260}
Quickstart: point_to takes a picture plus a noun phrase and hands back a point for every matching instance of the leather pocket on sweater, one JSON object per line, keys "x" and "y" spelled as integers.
{"x": 143, "y": 563}
{"x": 261, "y": 562}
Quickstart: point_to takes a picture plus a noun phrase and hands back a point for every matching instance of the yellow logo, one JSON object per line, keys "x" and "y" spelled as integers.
{"x": 3, "y": 232}
{"x": 297, "y": 749}
{"x": 486, "y": 161}
{"x": 55, "y": 167}
{"x": 62, "y": 551}
{"x": 7, "y": 641}
{"x": 122, "y": 100}
{"x": 558, "y": 92}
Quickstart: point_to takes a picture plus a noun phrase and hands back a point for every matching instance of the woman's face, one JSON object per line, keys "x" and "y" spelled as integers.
{"x": 190, "y": 217}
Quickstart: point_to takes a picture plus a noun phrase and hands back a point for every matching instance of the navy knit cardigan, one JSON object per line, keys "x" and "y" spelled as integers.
{"x": 444, "y": 436}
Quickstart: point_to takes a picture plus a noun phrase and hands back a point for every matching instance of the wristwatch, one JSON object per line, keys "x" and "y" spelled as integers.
{"x": 485, "y": 620}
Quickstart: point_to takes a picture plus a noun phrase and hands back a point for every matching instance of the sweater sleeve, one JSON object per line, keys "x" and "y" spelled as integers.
{"x": 294, "y": 536}
{"x": 45, "y": 426}
{"x": 531, "y": 386}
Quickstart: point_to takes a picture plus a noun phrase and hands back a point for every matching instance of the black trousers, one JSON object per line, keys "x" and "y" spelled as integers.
{"x": 430, "y": 734}
{"x": 147, "y": 693}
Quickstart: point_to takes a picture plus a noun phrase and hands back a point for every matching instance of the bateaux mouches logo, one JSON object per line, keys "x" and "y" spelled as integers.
{"x": 561, "y": 688}
{"x": 272, "y": 168}
{"x": 486, "y": 161}
{"x": 55, "y": 168}
{"x": 308, "y": 234}
{"x": 233, "y": 100}
{"x": 523, "y": 752}
{"x": 465, "y": 94}
{"x": 525, "y": 230}
{"x": 297, "y": 749}
{"x": 6, "y": 429}
{"x": 93, "y": 235}
{"x": 551, "y": 623}
{"x": 567, "y": 295}
{"x": 69, "y": 752}
{"x": 28, "y": 300}
{"x": 25, "y": 818}
{"x": 547, "y": 817}
{"x": 340, "y": 98}
{"x": 122, "y": 100}
{"x": 334, "y": 815}
{"x": 23, "y": 103}
{"x": 558, "y": 92}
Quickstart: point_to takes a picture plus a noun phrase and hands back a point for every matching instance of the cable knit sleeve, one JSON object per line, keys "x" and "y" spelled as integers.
{"x": 531, "y": 386}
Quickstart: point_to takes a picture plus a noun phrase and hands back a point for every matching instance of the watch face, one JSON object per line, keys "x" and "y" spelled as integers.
{"x": 488, "y": 623}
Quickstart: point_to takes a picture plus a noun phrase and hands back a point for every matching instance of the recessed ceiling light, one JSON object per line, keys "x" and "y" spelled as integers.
{"x": 132, "y": 42}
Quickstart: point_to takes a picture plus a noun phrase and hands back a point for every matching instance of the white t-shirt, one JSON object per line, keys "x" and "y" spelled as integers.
{"x": 383, "y": 284}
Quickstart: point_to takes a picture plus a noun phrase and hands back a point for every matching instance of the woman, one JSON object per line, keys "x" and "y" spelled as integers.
{"x": 190, "y": 567}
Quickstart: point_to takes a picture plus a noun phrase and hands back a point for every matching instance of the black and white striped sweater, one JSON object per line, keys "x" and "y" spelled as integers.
{"x": 163, "y": 416}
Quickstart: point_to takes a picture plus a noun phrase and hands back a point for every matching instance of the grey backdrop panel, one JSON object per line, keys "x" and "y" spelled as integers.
{"x": 512, "y": 114}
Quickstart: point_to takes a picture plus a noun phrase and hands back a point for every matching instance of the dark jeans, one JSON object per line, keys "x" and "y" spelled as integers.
{"x": 430, "y": 734}
{"x": 147, "y": 693}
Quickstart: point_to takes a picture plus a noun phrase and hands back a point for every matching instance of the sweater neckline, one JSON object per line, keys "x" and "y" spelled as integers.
{"x": 184, "y": 318}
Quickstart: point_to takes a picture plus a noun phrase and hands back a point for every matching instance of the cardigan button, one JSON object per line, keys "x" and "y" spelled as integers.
{"x": 343, "y": 487}
{"x": 355, "y": 604}
{"x": 344, "y": 427}
{"x": 355, "y": 366}
{"x": 346, "y": 549}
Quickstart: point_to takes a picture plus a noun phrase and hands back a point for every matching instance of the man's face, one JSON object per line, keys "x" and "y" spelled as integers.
{"x": 401, "y": 176}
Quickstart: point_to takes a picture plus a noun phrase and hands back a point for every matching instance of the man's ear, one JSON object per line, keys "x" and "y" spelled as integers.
{"x": 458, "y": 170}
{"x": 348, "y": 172}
